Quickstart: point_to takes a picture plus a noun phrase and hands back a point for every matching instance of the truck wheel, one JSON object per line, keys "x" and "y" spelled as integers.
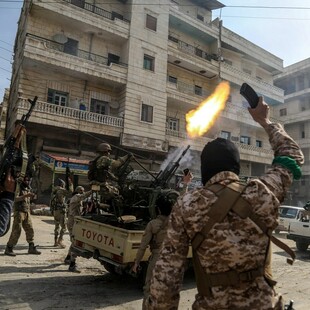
{"x": 301, "y": 246}
{"x": 109, "y": 267}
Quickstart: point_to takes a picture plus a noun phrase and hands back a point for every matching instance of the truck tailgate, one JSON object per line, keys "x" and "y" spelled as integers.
{"x": 105, "y": 240}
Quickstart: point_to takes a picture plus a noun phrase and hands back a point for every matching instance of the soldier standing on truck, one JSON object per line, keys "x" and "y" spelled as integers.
{"x": 75, "y": 208}
{"x": 59, "y": 210}
{"x": 102, "y": 171}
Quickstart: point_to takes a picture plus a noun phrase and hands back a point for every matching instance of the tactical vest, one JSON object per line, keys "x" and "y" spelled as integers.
{"x": 229, "y": 198}
{"x": 95, "y": 174}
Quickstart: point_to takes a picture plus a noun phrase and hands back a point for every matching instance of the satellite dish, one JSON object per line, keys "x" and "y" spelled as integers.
{"x": 60, "y": 38}
{"x": 114, "y": 104}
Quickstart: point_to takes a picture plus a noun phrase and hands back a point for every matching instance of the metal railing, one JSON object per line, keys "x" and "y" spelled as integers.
{"x": 97, "y": 10}
{"x": 192, "y": 50}
{"x": 67, "y": 112}
{"x": 53, "y": 45}
{"x": 189, "y": 89}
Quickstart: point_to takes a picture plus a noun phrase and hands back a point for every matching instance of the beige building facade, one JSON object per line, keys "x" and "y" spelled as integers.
{"x": 127, "y": 72}
{"x": 295, "y": 114}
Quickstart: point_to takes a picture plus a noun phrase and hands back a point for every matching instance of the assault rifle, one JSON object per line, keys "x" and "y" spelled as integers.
{"x": 164, "y": 176}
{"x": 15, "y": 156}
{"x": 68, "y": 175}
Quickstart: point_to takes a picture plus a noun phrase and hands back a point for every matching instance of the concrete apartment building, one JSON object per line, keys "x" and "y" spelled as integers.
{"x": 295, "y": 114}
{"x": 127, "y": 72}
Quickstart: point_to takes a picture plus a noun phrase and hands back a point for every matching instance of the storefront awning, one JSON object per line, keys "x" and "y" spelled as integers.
{"x": 58, "y": 164}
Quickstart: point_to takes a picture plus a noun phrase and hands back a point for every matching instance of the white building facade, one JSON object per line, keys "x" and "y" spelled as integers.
{"x": 295, "y": 114}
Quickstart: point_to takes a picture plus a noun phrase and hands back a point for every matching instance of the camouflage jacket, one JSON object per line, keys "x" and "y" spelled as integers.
{"x": 233, "y": 244}
{"x": 60, "y": 195}
{"x": 149, "y": 236}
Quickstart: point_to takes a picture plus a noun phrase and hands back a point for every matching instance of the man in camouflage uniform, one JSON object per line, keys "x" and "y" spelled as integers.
{"x": 75, "y": 208}
{"x": 234, "y": 245}
{"x": 153, "y": 236}
{"x": 104, "y": 171}
{"x": 59, "y": 209}
{"x": 22, "y": 218}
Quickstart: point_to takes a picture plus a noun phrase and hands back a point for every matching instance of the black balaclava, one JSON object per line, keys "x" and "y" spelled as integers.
{"x": 219, "y": 155}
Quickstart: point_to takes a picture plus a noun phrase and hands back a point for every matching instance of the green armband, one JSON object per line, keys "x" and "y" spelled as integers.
{"x": 290, "y": 164}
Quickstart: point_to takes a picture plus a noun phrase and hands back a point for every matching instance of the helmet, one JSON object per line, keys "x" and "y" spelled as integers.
{"x": 79, "y": 189}
{"x": 103, "y": 147}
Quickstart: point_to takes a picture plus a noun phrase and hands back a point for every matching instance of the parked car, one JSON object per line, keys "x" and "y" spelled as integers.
{"x": 288, "y": 214}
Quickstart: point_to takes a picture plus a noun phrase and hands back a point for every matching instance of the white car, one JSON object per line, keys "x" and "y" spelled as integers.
{"x": 287, "y": 214}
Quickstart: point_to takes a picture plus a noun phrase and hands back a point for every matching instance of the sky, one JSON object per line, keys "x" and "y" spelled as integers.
{"x": 282, "y": 27}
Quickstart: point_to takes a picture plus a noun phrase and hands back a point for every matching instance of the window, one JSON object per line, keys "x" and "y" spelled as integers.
{"x": 117, "y": 15}
{"x": 56, "y": 97}
{"x": 200, "y": 17}
{"x": 113, "y": 58}
{"x": 283, "y": 112}
{"x": 151, "y": 22}
{"x": 225, "y": 135}
{"x": 99, "y": 106}
{"x": 198, "y": 90}
{"x": 259, "y": 143}
{"x": 173, "y": 124}
{"x": 147, "y": 113}
{"x": 148, "y": 62}
{"x": 173, "y": 79}
{"x": 245, "y": 140}
{"x": 71, "y": 47}
{"x": 79, "y": 3}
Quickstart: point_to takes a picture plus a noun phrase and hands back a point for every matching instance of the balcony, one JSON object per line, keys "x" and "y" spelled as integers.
{"x": 237, "y": 76}
{"x": 84, "y": 17}
{"x": 251, "y": 52}
{"x": 71, "y": 62}
{"x": 47, "y": 114}
{"x": 192, "y": 58}
{"x": 186, "y": 94}
{"x": 247, "y": 152}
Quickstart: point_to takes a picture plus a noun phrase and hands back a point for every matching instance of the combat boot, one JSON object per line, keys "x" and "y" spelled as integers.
{"x": 67, "y": 260}
{"x": 73, "y": 268}
{"x": 33, "y": 249}
{"x": 61, "y": 243}
{"x": 9, "y": 250}
{"x": 56, "y": 241}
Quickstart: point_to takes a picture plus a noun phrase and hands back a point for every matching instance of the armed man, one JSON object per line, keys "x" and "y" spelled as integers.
{"x": 59, "y": 209}
{"x": 229, "y": 226}
{"x": 22, "y": 218}
{"x": 103, "y": 171}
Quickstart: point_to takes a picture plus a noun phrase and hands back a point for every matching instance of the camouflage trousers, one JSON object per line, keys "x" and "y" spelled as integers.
{"x": 72, "y": 254}
{"x": 21, "y": 220}
{"x": 146, "y": 288}
{"x": 60, "y": 219}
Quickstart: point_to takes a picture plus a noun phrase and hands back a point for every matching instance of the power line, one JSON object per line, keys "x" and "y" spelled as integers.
{"x": 6, "y": 42}
{"x": 6, "y": 49}
{"x": 5, "y": 70}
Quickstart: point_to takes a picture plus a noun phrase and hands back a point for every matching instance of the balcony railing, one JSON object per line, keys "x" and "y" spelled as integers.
{"x": 53, "y": 109}
{"x": 241, "y": 146}
{"x": 53, "y": 45}
{"x": 192, "y": 50}
{"x": 96, "y": 10}
{"x": 189, "y": 89}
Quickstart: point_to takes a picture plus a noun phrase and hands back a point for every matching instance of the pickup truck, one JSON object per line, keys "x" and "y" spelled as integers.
{"x": 299, "y": 231}
{"x": 99, "y": 237}
{"x": 114, "y": 238}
